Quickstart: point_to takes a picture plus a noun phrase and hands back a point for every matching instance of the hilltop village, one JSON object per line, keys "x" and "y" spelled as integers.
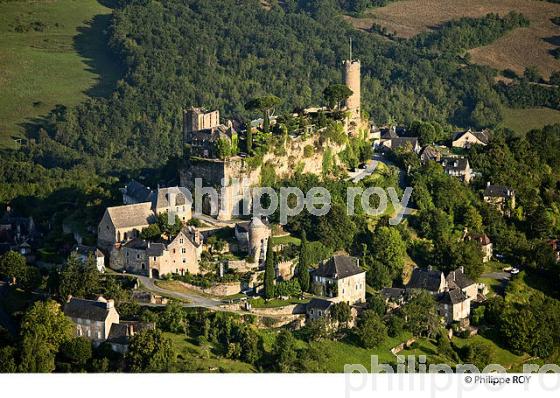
{"x": 249, "y": 265}
{"x": 136, "y": 238}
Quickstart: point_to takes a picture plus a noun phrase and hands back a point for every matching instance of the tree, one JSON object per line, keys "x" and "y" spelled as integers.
{"x": 173, "y": 318}
{"x": 395, "y": 325}
{"x": 336, "y": 230}
{"x": 77, "y": 352}
{"x": 78, "y": 278}
{"x": 472, "y": 220}
{"x": 151, "y": 232}
{"x": 421, "y": 315}
{"x": 269, "y": 273}
{"x": 266, "y": 105}
{"x": 479, "y": 354}
{"x": 390, "y": 249}
{"x": 371, "y": 330}
{"x": 532, "y": 74}
{"x": 150, "y": 351}
{"x": 248, "y": 138}
{"x": 284, "y": 351}
{"x": 44, "y": 329}
{"x": 303, "y": 264}
{"x": 376, "y": 303}
{"x": 336, "y": 93}
{"x": 469, "y": 256}
{"x": 554, "y": 78}
{"x": 341, "y": 313}
{"x": 378, "y": 276}
{"x": 13, "y": 266}
{"x": 8, "y": 360}
{"x": 171, "y": 230}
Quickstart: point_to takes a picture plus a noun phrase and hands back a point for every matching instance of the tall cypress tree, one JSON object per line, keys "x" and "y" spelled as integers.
{"x": 303, "y": 264}
{"x": 269, "y": 273}
{"x": 249, "y": 138}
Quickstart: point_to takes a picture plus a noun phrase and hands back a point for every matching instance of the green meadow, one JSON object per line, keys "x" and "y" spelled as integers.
{"x": 51, "y": 52}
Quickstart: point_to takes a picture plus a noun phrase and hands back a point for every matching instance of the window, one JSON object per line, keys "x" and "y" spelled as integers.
{"x": 183, "y": 250}
{"x": 181, "y": 240}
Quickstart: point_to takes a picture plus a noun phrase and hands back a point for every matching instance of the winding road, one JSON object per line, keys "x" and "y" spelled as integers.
{"x": 194, "y": 300}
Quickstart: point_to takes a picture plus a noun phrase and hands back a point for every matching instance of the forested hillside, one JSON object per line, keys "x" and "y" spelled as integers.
{"x": 179, "y": 53}
{"x": 218, "y": 54}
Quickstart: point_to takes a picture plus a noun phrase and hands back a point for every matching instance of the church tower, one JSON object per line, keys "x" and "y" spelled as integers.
{"x": 351, "y": 76}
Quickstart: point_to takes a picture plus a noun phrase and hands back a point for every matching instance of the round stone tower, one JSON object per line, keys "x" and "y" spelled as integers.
{"x": 352, "y": 80}
{"x": 259, "y": 233}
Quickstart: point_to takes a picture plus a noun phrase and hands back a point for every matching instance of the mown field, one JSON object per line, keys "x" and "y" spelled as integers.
{"x": 520, "y": 48}
{"x": 51, "y": 52}
{"x": 523, "y": 120}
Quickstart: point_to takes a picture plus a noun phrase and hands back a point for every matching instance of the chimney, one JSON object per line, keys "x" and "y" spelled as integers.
{"x": 110, "y": 304}
{"x": 453, "y": 275}
{"x": 429, "y": 267}
{"x": 69, "y": 298}
{"x": 462, "y": 269}
{"x": 488, "y": 183}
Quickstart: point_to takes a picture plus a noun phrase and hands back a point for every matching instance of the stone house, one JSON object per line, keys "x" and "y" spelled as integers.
{"x": 501, "y": 197}
{"x": 394, "y": 297}
{"x": 466, "y": 139}
{"x": 427, "y": 279}
{"x": 341, "y": 278}
{"x": 555, "y": 245}
{"x": 17, "y": 233}
{"x": 156, "y": 259}
{"x": 458, "y": 167}
{"x": 172, "y": 200}
{"x": 457, "y": 279}
{"x": 93, "y": 318}
{"x": 252, "y": 238}
{"x": 99, "y": 321}
{"x": 318, "y": 308}
{"x": 454, "y": 306}
{"x": 486, "y": 246}
{"x": 135, "y": 192}
{"x": 401, "y": 143}
{"x": 123, "y": 223}
{"x": 202, "y": 130}
{"x": 83, "y": 253}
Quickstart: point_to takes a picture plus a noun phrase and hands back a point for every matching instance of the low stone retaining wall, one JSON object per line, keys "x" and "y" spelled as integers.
{"x": 291, "y": 309}
{"x": 222, "y": 289}
{"x": 395, "y": 350}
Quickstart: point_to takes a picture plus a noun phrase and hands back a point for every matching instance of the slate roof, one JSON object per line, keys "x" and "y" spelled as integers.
{"x": 86, "y": 250}
{"x": 425, "y": 279}
{"x": 155, "y": 249}
{"x": 136, "y": 243}
{"x": 482, "y": 136}
{"x": 319, "y": 304}
{"x": 458, "y": 279}
{"x": 118, "y": 334}
{"x": 131, "y": 215}
{"x": 453, "y": 296}
{"x": 392, "y": 292}
{"x": 138, "y": 191}
{"x": 389, "y": 133}
{"x": 455, "y": 164}
{"x": 500, "y": 191}
{"x": 165, "y": 196}
{"x": 483, "y": 239}
{"x": 86, "y": 309}
{"x": 339, "y": 267}
{"x": 402, "y": 142}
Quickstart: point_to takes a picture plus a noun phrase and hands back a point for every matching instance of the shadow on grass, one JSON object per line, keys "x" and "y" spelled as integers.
{"x": 92, "y": 44}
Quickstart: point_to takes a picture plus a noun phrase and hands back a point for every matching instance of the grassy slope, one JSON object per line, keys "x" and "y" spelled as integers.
{"x": 523, "y": 120}
{"x": 60, "y": 65}
{"x": 194, "y": 358}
